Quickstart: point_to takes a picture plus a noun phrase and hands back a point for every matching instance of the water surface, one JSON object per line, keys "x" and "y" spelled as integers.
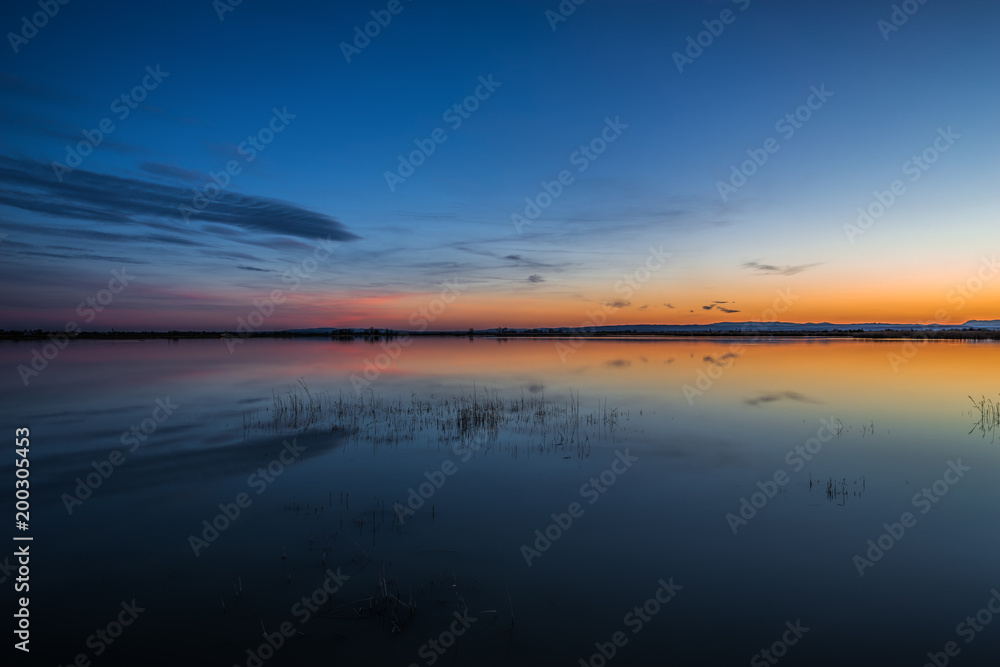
{"x": 883, "y": 434}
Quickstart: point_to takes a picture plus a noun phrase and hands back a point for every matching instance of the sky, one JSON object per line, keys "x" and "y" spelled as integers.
{"x": 193, "y": 164}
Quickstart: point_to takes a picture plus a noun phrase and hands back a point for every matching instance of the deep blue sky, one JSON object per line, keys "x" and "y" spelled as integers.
{"x": 656, "y": 185}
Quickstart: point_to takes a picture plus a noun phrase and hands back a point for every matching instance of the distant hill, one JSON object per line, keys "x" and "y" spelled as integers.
{"x": 983, "y": 324}
{"x": 721, "y": 327}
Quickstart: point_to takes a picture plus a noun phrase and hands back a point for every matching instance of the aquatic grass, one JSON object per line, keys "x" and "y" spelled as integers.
{"x": 989, "y": 416}
{"x": 469, "y": 419}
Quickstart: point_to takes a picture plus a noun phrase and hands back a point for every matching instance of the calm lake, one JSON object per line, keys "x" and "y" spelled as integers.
{"x": 510, "y": 502}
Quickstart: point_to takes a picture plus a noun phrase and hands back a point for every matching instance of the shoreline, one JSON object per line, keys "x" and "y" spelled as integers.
{"x": 888, "y": 334}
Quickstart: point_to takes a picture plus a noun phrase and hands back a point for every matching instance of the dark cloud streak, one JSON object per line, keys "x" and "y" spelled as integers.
{"x": 85, "y": 195}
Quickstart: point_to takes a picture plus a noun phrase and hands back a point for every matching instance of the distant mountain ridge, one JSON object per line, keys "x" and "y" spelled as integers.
{"x": 717, "y": 326}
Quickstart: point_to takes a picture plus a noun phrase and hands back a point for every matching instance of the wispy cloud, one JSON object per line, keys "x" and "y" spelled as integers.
{"x": 715, "y": 305}
{"x": 771, "y": 269}
{"x": 130, "y": 202}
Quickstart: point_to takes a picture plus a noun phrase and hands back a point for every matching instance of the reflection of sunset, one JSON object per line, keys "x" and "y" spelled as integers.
{"x": 847, "y": 372}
